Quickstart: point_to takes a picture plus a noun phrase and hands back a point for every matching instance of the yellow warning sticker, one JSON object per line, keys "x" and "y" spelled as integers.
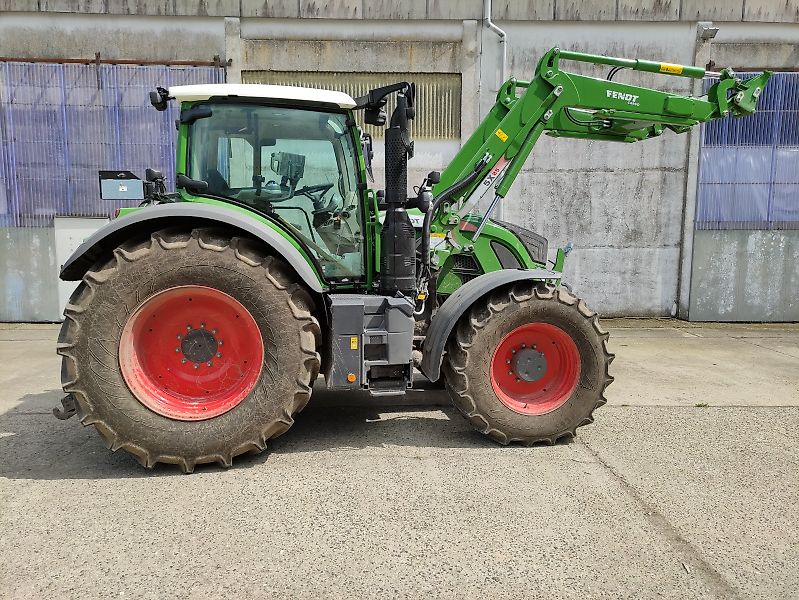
{"x": 502, "y": 135}
{"x": 354, "y": 342}
{"x": 670, "y": 68}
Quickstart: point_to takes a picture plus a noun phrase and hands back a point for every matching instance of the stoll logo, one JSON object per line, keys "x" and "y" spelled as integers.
{"x": 630, "y": 99}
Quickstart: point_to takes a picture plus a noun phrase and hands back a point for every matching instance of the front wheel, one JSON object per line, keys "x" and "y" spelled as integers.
{"x": 528, "y": 364}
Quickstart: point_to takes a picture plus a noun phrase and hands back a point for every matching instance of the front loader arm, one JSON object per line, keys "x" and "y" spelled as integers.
{"x": 602, "y": 109}
{"x": 564, "y": 104}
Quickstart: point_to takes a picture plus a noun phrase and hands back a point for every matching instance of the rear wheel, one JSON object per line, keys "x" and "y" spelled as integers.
{"x": 528, "y": 364}
{"x": 189, "y": 347}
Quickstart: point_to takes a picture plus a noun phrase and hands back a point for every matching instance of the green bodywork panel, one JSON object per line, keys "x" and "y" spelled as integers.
{"x": 554, "y": 102}
{"x": 484, "y": 255}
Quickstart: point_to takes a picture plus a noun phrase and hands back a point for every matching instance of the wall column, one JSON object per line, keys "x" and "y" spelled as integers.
{"x": 233, "y": 49}
{"x": 470, "y": 78}
{"x": 701, "y": 58}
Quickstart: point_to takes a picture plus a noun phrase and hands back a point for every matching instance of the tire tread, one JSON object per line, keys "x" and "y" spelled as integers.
{"x": 301, "y": 307}
{"x": 466, "y": 333}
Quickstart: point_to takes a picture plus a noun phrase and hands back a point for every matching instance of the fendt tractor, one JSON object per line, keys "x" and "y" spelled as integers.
{"x": 204, "y": 316}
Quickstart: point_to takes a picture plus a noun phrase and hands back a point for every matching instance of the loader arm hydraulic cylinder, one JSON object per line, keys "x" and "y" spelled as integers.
{"x": 565, "y": 104}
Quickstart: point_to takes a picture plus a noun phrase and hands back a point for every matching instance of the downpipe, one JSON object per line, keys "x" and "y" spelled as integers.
{"x": 503, "y": 40}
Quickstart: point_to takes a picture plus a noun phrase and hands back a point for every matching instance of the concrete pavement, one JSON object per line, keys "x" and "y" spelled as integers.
{"x": 685, "y": 487}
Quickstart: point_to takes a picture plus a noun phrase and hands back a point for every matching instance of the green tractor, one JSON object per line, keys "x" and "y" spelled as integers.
{"x": 204, "y": 317}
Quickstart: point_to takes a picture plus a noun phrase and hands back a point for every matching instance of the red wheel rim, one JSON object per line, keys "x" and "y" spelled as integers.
{"x": 535, "y": 368}
{"x": 191, "y": 353}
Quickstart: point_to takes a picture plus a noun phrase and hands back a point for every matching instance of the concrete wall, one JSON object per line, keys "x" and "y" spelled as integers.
{"x": 28, "y": 290}
{"x": 143, "y": 37}
{"x": 628, "y": 209}
{"x": 620, "y": 204}
{"x": 773, "y": 11}
{"x": 747, "y": 275}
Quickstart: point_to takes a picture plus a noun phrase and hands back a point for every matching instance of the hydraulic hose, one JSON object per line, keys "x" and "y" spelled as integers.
{"x": 445, "y": 195}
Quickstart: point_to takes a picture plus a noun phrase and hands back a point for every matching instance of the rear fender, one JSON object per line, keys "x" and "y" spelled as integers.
{"x": 462, "y": 300}
{"x": 189, "y": 215}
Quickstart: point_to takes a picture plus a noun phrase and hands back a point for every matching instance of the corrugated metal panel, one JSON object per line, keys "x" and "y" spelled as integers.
{"x": 438, "y": 95}
{"x": 61, "y": 123}
{"x": 749, "y": 167}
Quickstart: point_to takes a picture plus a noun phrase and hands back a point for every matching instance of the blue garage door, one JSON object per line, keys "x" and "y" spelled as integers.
{"x": 61, "y": 123}
{"x": 749, "y": 167}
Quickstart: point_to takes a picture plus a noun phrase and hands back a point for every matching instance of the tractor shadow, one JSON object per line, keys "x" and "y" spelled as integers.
{"x": 36, "y": 445}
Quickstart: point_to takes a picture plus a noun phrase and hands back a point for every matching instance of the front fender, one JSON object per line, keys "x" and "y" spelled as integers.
{"x": 187, "y": 214}
{"x": 458, "y": 303}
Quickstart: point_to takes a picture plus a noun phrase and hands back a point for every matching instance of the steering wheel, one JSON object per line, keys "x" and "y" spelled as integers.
{"x": 313, "y": 189}
{"x": 316, "y": 193}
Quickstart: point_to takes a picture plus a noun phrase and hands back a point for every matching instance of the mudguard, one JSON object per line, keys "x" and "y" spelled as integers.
{"x": 458, "y": 303}
{"x": 186, "y": 214}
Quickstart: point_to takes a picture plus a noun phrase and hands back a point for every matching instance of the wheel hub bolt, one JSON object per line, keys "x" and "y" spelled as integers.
{"x": 209, "y": 364}
{"x": 219, "y": 355}
{"x": 528, "y": 365}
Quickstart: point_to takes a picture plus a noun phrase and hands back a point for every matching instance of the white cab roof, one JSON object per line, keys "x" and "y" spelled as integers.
{"x": 191, "y": 93}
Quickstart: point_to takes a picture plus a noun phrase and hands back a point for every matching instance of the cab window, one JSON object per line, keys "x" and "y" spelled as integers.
{"x": 298, "y": 166}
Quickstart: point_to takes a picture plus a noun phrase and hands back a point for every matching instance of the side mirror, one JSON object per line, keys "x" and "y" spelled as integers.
{"x": 159, "y": 98}
{"x": 375, "y": 116}
{"x": 288, "y": 165}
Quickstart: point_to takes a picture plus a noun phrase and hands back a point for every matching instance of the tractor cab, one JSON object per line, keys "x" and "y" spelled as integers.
{"x": 289, "y": 153}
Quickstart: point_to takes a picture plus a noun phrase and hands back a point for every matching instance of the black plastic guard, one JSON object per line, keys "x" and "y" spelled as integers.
{"x": 458, "y": 303}
{"x": 184, "y": 214}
